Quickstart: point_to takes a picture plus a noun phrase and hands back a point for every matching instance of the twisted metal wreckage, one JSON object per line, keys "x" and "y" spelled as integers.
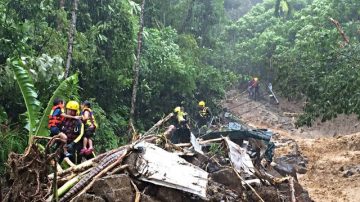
{"x": 239, "y": 170}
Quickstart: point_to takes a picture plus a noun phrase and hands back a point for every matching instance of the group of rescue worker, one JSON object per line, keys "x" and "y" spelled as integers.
{"x": 72, "y": 128}
{"x": 179, "y": 130}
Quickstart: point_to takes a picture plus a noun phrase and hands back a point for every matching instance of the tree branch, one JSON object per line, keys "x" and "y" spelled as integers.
{"x": 340, "y": 30}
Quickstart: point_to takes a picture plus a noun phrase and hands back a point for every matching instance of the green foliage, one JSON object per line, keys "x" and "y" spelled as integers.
{"x": 216, "y": 149}
{"x": 179, "y": 59}
{"x": 28, "y": 91}
{"x": 172, "y": 70}
{"x": 11, "y": 140}
{"x": 301, "y": 60}
{"x": 105, "y": 138}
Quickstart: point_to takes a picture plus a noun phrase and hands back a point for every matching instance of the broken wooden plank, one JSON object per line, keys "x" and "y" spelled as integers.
{"x": 163, "y": 168}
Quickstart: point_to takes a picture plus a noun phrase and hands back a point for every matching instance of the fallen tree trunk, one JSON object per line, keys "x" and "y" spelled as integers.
{"x": 94, "y": 172}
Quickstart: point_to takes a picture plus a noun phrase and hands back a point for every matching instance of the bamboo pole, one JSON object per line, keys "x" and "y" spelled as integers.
{"x": 63, "y": 189}
{"x": 69, "y": 162}
{"x": 76, "y": 168}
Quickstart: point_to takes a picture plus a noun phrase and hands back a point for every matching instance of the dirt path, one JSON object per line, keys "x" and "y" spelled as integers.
{"x": 332, "y": 148}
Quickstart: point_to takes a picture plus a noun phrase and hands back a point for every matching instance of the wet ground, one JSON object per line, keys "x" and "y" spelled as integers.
{"x": 331, "y": 149}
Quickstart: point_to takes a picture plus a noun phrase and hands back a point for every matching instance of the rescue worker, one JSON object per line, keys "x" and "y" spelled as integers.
{"x": 204, "y": 115}
{"x": 90, "y": 126}
{"x": 179, "y": 131}
{"x": 74, "y": 130}
{"x": 56, "y": 117}
{"x": 253, "y": 88}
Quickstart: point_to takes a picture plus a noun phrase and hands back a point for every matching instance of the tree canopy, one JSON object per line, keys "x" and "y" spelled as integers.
{"x": 191, "y": 51}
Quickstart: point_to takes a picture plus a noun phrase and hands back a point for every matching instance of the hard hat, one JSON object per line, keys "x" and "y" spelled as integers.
{"x": 177, "y": 109}
{"x": 201, "y": 104}
{"x": 73, "y": 105}
{"x": 256, "y": 79}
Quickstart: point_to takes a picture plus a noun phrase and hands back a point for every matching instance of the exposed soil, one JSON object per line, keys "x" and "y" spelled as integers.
{"x": 332, "y": 148}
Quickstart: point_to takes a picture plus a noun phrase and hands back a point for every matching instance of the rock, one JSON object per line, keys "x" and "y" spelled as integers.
{"x": 228, "y": 178}
{"x": 347, "y": 173}
{"x": 113, "y": 188}
{"x": 203, "y": 162}
{"x": 168, "y": 194}
{"x": 218, "y": 192}
{"x": 89, "y": 197}
{"x": 146, "y": 198}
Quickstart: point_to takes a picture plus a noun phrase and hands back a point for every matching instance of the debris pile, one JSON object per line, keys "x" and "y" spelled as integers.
{"x": 234, "y": 164}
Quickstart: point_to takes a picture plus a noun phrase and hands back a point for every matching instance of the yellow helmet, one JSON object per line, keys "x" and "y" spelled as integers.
{"x": 256, "y": 79}
{"x": 201, "y": 104}
{"x": 72, "y": 105}
{"x": 177, "y": 109}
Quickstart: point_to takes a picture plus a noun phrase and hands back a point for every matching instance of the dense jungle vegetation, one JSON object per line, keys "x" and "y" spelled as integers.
{"x": 191, "y": 50}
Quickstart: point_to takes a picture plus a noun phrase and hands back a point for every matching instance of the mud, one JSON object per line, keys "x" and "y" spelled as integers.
{"x": 330, "y": 151}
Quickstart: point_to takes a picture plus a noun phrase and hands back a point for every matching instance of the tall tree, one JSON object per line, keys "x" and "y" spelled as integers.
{"x": 136, "y": 66}
{"x": 72, "y": 30}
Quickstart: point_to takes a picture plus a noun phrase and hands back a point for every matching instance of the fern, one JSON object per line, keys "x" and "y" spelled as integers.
{"x": 29, "y": 94}
{"x": 66, "y": 86}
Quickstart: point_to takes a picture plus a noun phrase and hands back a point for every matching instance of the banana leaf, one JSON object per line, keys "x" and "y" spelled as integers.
{"x": 28, "y": 91}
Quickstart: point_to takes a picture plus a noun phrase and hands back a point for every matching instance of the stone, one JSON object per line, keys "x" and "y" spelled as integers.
{"x": 347, "y": 173}
{"x": 228, "y": 178}
{"x": 89, "y": 197}
{"x": 168, "y": 194}
{"x": 113, "y": 188}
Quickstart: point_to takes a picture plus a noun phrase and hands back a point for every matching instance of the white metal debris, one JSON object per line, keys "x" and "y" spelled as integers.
{"x": 163, "y": 168}
{"x": 194, "y": 142}
{"x": 239, "y": 158}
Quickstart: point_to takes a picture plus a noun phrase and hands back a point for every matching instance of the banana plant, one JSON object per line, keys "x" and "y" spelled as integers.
{"x": 28, "y": 92}
{"x": 38, "y": 126}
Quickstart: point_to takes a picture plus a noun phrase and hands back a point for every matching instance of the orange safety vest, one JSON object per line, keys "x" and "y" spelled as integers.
{"x": 55, "y": 120}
